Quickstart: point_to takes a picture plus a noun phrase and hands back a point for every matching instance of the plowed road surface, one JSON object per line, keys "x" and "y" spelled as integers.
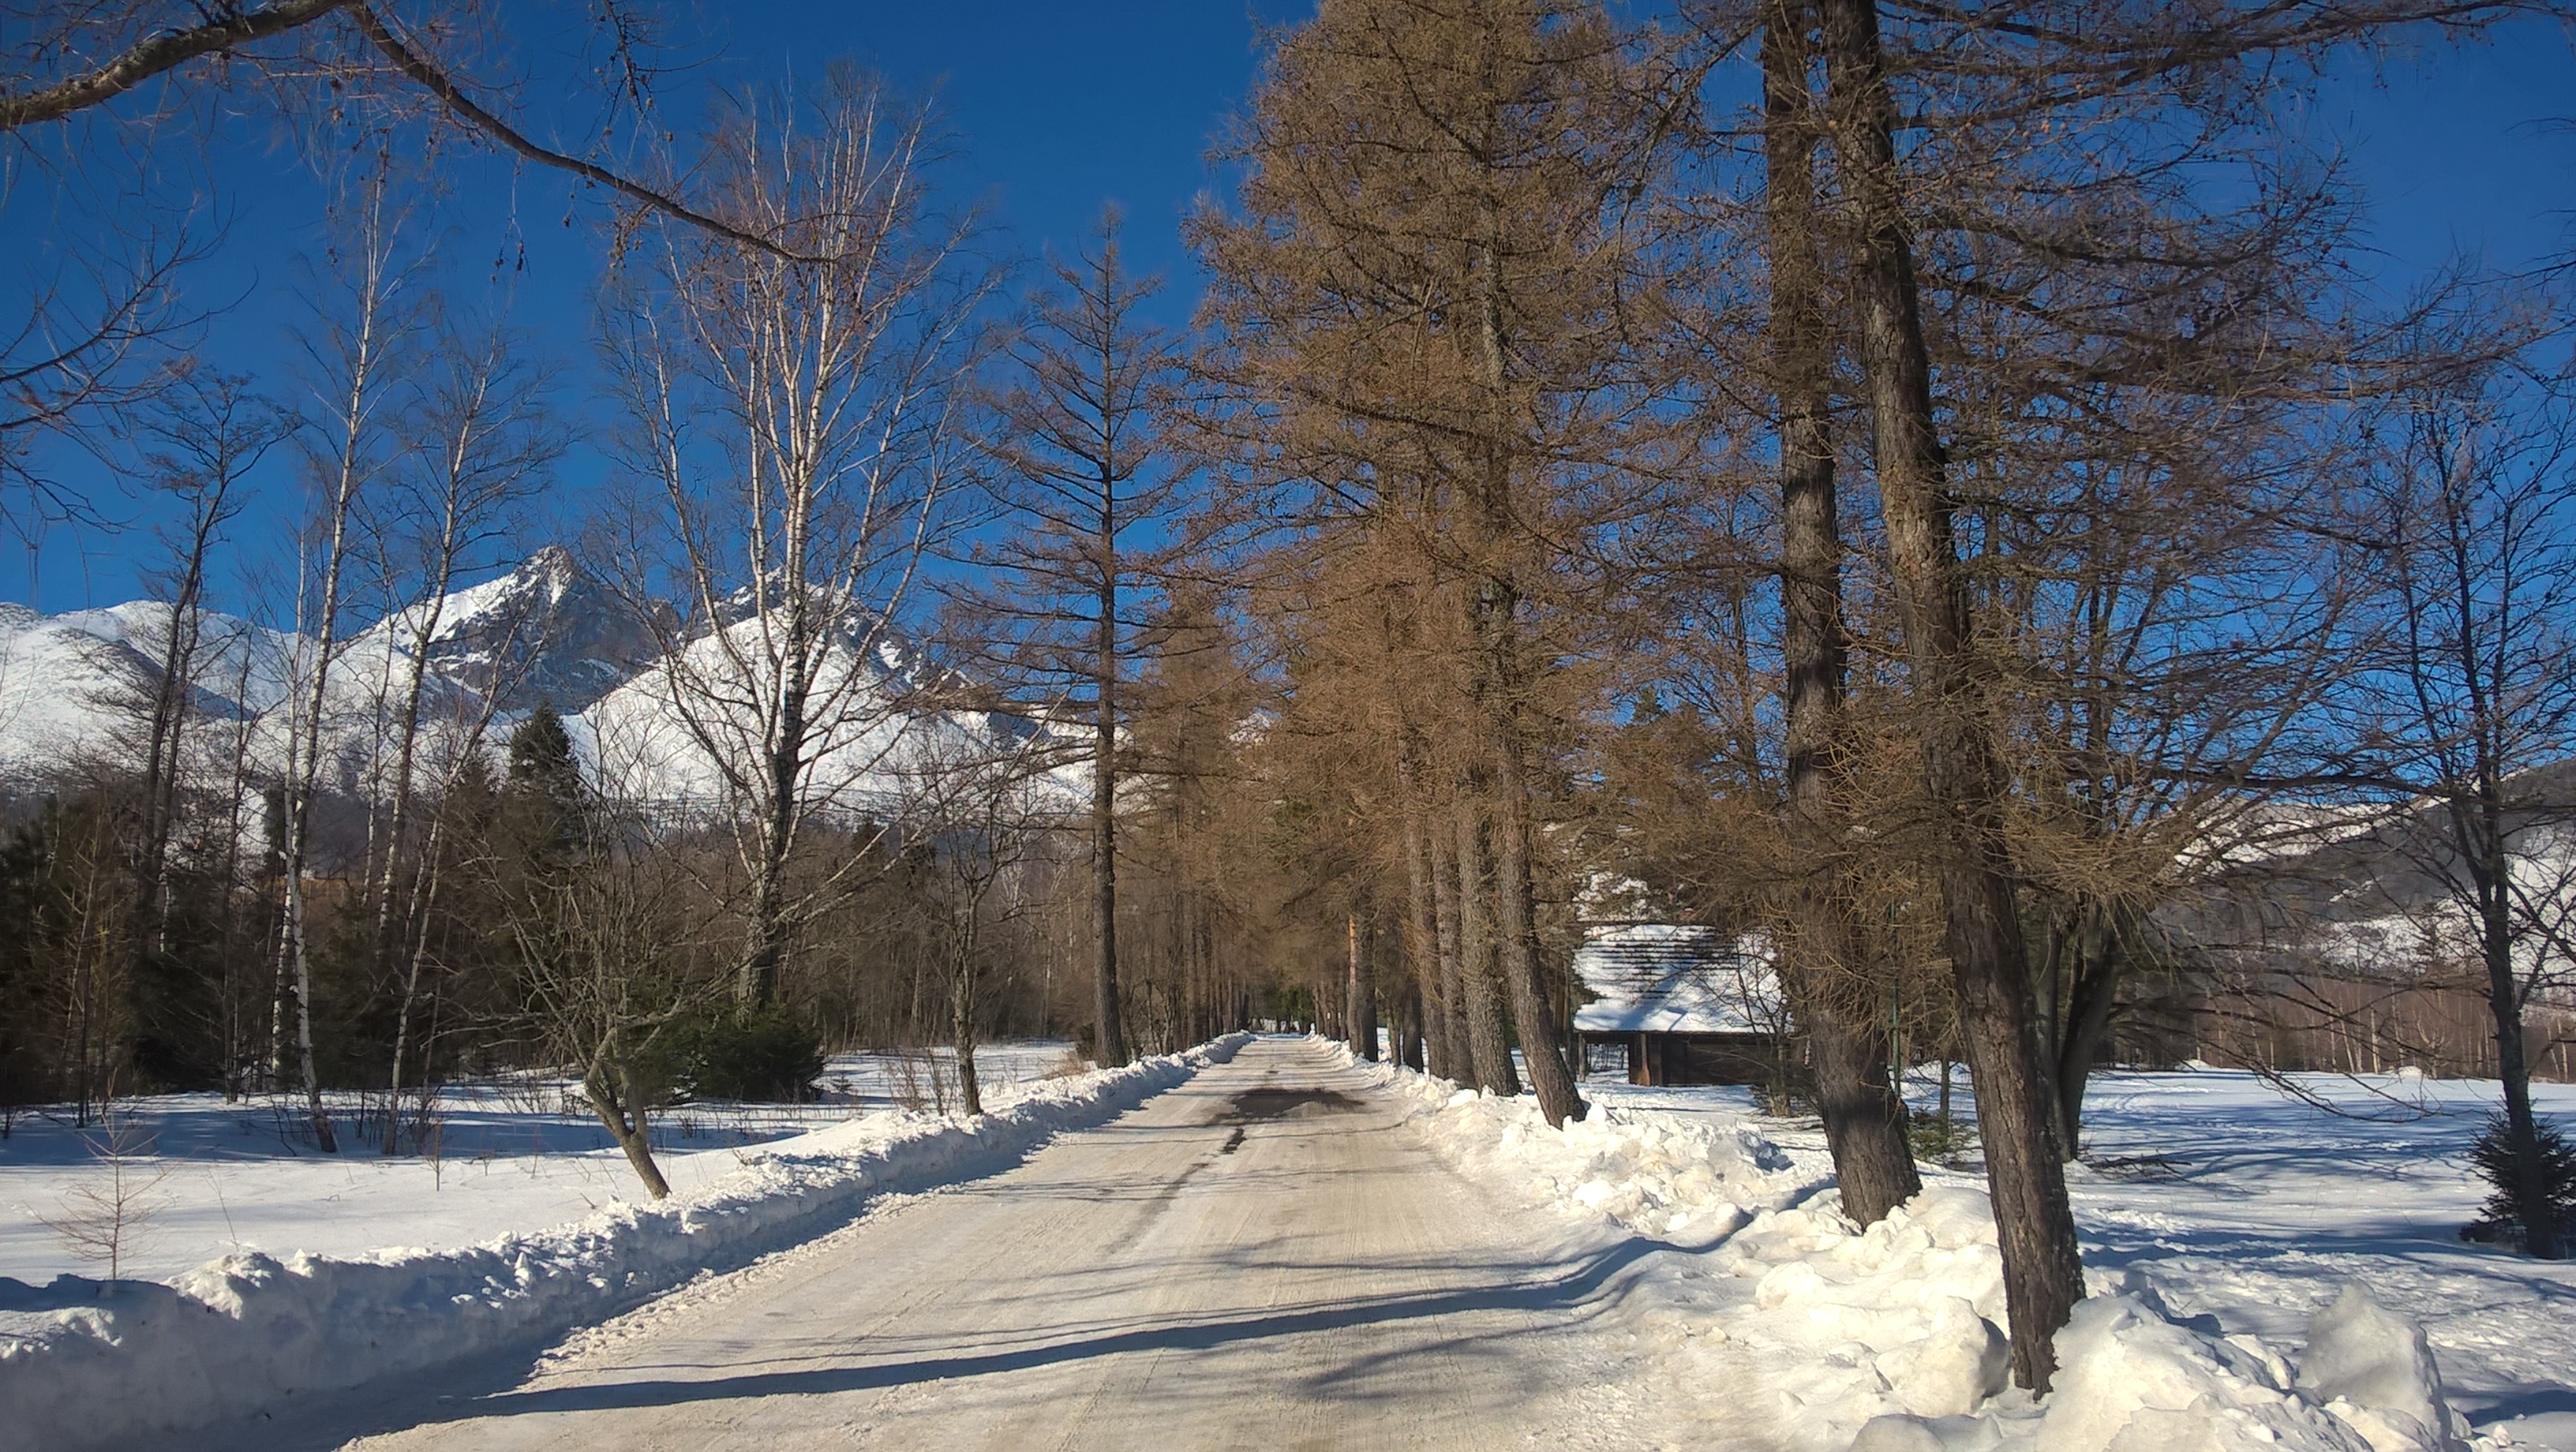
{"x": 1261, "y": 1258}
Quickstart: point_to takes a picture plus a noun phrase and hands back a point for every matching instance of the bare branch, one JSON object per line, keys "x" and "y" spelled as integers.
{"x": 157, "y": 56}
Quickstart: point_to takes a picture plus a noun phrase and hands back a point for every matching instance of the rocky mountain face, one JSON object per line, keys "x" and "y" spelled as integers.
{"x": 71, "y": 684}
{"x": 547, "y": 631}
{"x": 652, "y": 723}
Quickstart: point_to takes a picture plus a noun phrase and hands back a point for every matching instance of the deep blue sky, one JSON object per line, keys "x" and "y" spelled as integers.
{"x": 1055, "y": 109}
{"x": 1061, "y": 105}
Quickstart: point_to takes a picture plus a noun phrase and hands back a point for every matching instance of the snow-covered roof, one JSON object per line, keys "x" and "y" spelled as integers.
{"x": 1675, "y": 978}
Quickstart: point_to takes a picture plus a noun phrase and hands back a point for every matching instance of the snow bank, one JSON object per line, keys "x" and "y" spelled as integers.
{"x": 2375, "y": 1369}
{"x": 515, "y": 1156}
{"x": 84, "y": 1362}
{"x": 1903, "y": 1318}
{"x": 2132, "y": 1378}
{"x": 1662, "y": 1174}
{"x": 1892, "y": 1339}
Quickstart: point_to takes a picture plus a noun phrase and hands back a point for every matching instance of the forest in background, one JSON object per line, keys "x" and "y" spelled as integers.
{"x": 1927, "y": 487}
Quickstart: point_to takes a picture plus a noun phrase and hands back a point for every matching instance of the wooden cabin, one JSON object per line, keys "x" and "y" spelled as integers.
{"x": 1677, "y": 1003}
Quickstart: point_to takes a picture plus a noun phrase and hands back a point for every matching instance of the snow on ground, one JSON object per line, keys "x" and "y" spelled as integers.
{"x": 85, "y": 1362}
{"x": 244, "y": 1176}
{"x": 2225, "y": 1228}
{"x": 2255, "y": 1209}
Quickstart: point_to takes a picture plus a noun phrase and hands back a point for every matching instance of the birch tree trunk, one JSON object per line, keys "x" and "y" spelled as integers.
{"x": 355, "y": 360}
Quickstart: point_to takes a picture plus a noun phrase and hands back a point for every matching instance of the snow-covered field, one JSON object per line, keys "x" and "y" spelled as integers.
{"x": 86, "y": 1363}
{"x": 216, "y": 1178}
{"x": 2223, "y": 1223}
{"x": 2227, "y": 1227}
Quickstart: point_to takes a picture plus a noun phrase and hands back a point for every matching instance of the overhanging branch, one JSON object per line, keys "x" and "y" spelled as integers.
{"x": 435, "y": 81}
{"x": 161, "y": 54}
{"x": 152, "y": 57}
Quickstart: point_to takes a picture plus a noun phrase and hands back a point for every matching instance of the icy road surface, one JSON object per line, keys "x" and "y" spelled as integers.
{"x": 1260, "y": 1258}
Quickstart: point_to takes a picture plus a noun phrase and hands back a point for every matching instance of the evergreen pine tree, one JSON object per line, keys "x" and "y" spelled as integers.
{"x": 544, "y": 786}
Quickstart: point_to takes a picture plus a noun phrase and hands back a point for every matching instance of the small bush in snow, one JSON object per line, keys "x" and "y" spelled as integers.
{"x": 109, "y": 1218}
{"x": 2503, "y": 1216}
{"x": 771, "y": 1057}
{"x": 1938, "y": 1138}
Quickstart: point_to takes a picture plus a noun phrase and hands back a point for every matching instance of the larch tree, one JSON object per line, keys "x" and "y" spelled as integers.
{"x": 1084, "y": 492}
{"x": 2020, "y": 205}
{"x": 1433, "y": 290}
{"x": 1828, "y": 984}
{"x": 1189, "y": 703}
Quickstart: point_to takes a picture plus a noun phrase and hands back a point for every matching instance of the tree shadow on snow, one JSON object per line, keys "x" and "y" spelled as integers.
{"x": 1581, "y": 1291}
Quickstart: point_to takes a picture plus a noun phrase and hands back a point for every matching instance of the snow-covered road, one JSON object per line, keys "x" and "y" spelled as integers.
{"x": 1263, "y": 1257}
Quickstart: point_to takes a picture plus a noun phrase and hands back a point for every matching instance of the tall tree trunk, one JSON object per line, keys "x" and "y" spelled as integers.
{"x": 385, "y": 944}
{"x": 1542, "y": 1044}
{"x": 2092, "y": 994}
{"x": 1360, "y": 1011}
{"x": 1488, "y": 1041}
{"x": 782, "y": 779}
{"x": 1422, "y": 944}
{"x": 1408, "y": 1024}
{"x": 1111, "y": 1032}
{"x": 2043, "y": 1270}
{"x": 970, "y": 1090}
{"x": 301, "y": 975}
{"x": 2489, "y": 868}
{"x": 1864, "y": 1119}
{"x": 305, "y": 779}
{"x": 238, "y": 1064}
{"x": 424, "y": 893}
{"x": 165, "y": 757}
{"x": 1443, "y": 844}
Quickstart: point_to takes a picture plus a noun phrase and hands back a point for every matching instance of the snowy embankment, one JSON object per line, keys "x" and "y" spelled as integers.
{"x": 1890, "y": 1340}
{"x": 84, "y": 1362}
{"x": 505, "y": 1156}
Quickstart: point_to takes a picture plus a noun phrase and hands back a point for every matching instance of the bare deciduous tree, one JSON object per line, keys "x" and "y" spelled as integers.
{"x": 356, "y": 350}
{"x": 341, "y": 62}
{"x": 982, "y": 799}
{"x": 801, "y": 419}
{"x": 2471, "y": 513}
{"x": 598, "y": 907}
{"x": 475, "y": 444}
{"x": 200, "y": 438}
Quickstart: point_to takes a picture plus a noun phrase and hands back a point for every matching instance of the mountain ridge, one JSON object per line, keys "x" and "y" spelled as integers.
{"x": 544, "y": 630}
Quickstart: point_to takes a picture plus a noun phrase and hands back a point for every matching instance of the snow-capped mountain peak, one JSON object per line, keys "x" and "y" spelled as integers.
{"x": 546, "y": 631}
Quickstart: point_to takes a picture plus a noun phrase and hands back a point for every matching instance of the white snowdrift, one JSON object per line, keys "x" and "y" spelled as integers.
{"x": 1891, "y": 1339}
{"x": 1657, "y": 1173}
{"x": 84, "y": 1362}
